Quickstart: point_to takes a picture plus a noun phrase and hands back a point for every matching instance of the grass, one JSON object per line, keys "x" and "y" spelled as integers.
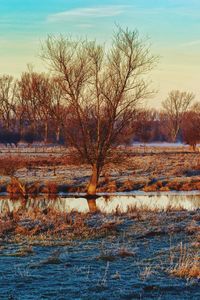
{"x": 155, "y": 170}
{"x": 134, "y": 244}
{"x": 49, "y": 225}
{"x": 188, "y": 265}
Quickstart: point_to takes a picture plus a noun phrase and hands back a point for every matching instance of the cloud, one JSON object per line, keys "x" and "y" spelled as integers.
{"x": 191, "y": 43}
{"x": 92, "y": 12}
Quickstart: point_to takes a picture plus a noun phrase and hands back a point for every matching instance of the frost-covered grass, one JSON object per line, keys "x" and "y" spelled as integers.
{"x": 152, "y": 168}
{"x": 139, "y": 254}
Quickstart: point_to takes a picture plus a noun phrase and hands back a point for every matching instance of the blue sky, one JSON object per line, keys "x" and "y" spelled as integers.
{"x": 173, "y": 28}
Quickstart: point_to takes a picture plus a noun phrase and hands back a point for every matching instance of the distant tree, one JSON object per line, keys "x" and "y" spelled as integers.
{"x": 174, "y": 108}
{"x": 58, "y": 110}
{"x": 9, "y": 137}
{"x": 191, "y": 126}
{"x": 28, "y": 137}
{"x": 8, "y": 90}
{"x": 144, "y": 125}
{"x": 102, "y": 89}
{"x": 36, "y": 99}
{"x": 157, "y": 133}
{"x": 15, "y": 138}
{"x": 28, "y": 100}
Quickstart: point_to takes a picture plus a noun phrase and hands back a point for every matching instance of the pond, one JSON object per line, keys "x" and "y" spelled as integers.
{"x": 106, "y": 203}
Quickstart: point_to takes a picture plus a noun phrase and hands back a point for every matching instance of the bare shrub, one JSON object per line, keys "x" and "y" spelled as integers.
{"x": 9, "y": 165}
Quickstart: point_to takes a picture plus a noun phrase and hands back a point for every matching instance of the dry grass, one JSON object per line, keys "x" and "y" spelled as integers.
{"x": 188, "y": 265}
{"x": 17, "y": 188}
{"x": 9, "y": 165}
{"x": 49, "y": 224}
{"x": 146, "y": 273}
{"x": 155, "y": 170}
{"x": 50, "y": 188}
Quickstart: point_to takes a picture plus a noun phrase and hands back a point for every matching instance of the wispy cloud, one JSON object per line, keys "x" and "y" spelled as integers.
{"x": 191, "y": 43}
{"x": 92, "y": 12}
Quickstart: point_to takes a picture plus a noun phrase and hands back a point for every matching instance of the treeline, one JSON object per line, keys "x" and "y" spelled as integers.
{"x": 33, "y": 108}
{"x": 167, "y": 125}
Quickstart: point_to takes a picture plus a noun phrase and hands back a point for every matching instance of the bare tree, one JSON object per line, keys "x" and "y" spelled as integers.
{"x": 44, "y": 94}
{"x": 28, "y": 100}
{"x": 144, "y": 124}
{"x": 8, "y": 88}
{"x": 191, "y": 126}
{"x": 102, "y": 90}
{"x": 36, "y": 99}
{"x": 57, "y": 108}
{"x": 175, "y": 107}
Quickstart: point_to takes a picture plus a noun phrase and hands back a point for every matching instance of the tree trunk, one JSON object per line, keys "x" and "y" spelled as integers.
{"x": 45, "y": 132}
{"x": 33, "y": 128}
{"x": 92, "y": 187}
{"x": 20, "y": 128}
{"x": 58, "y": 134}
{"x": 194, "y": 147}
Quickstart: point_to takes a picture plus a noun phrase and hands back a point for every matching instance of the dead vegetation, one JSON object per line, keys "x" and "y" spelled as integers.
{"x": 188, "y": 265}
{"x": 49, "y": 225}
{"x": 9, "y": 165}
{"x": 149, "y": 171}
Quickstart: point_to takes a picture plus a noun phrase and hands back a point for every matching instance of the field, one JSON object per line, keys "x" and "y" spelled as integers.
{"x": 139, "y": 254}
{"x": 141, "y": 243}
{"x": 147, "y": 168}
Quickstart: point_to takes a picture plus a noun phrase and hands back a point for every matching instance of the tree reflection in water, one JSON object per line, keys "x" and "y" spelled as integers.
{"x": 104, "y": 204}
{"x": 92, "y": 205}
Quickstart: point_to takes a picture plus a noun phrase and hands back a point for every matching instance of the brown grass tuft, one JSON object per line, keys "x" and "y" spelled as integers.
{"x": 188, "y": 265}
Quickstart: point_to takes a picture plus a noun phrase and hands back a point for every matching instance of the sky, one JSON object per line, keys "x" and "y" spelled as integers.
{"x": 171, "y": 27}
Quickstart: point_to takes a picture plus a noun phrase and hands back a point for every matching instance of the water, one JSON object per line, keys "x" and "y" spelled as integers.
{"x": 106, "y": 204}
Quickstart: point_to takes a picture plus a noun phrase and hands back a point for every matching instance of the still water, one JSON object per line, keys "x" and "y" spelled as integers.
{"x": 105, "y": 203}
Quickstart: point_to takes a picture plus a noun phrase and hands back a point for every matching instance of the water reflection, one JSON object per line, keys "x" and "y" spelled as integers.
{"x": 155, "y": 202}
{"x": 104, "y": 204}
{"x": 92, "y": 205}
